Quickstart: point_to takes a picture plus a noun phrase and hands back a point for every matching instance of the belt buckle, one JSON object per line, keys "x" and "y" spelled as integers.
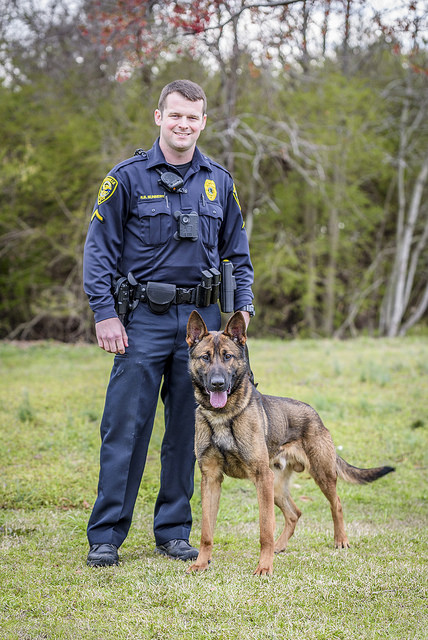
{"x": 185, "y": 295}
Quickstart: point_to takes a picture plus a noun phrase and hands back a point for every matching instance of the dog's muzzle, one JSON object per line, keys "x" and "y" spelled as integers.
{"x": 218, "y": 391}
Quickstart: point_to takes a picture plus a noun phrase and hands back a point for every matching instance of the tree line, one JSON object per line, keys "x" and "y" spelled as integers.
{"x": 318, "y": 108}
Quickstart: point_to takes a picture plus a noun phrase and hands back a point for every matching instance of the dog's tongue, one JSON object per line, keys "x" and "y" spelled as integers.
{"x": 218, "y": 399}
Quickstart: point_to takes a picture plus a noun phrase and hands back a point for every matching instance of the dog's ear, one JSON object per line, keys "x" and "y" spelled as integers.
{"x": 196, "y": 329}
{"x": 236, "y": 328}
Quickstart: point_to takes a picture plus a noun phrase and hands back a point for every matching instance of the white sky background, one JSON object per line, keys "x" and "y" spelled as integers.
{"x": 253, "y": 34}
{"x": 361, "y": 21}
{"x": 256, "y": 35}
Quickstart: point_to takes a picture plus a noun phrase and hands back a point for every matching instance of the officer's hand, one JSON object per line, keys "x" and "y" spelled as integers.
{"x": 111, "y": 335}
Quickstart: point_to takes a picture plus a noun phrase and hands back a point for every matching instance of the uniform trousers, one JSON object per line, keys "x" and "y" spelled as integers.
{"x": 157, "y": 350}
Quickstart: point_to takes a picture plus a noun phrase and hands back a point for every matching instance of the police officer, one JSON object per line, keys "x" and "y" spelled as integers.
{"x": 164, "y": 216}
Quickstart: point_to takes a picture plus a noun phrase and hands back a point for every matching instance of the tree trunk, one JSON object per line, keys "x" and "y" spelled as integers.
{"x": 403, "y": 273}
{"x": 330, "y": 294}
{"x": 333, "y": 236}
{"x": 310, "y": 221}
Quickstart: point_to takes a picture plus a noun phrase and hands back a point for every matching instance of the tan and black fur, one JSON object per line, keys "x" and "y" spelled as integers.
{"x": 245, "y": 434}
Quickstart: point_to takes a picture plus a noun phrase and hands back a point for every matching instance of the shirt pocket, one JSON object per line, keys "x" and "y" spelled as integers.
{"x": 156, "y": 222}
{"x": 211, "y": 217}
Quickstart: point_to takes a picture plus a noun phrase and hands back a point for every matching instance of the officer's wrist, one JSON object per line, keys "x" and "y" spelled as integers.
{"x": 249, "y": 308}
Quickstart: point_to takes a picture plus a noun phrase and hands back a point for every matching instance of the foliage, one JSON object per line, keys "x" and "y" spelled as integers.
{"x": 331, "y": 197}
{"x": 45, "y": 195}
{"x": 371, "y": 395}
{"x": 327, "y": 149}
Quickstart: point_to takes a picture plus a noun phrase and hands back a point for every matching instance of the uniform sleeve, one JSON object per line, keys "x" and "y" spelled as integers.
{"x": 233, "y": 246}
{"x": 103, "y": 246}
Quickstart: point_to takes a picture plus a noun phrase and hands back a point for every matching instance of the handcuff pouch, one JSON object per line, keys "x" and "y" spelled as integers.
{"x": 160, "y": 296}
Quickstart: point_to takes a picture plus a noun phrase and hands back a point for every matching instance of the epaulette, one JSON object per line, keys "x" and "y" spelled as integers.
{"x": 137, "y": 157}
{"x": 218, "y": 166}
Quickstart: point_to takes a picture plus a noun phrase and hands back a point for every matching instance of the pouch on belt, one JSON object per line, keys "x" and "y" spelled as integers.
{"x": 160, "y": 296}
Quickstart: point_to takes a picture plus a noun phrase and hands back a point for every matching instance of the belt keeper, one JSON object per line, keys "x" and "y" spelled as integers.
{"x": 140, "y": 292}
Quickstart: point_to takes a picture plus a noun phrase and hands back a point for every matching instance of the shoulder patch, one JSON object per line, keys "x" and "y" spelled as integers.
{"x": 107, "y": 189}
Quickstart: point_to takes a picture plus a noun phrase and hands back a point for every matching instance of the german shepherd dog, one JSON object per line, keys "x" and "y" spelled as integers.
{"x": 245, "y": 434}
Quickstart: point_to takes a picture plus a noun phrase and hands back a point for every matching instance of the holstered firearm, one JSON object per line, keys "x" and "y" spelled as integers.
{"x": 227, "y": 287}
{"x": 122, "y": 297}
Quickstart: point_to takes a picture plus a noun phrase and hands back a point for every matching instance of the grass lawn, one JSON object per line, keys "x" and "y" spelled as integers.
{"x": 373, "y": 397}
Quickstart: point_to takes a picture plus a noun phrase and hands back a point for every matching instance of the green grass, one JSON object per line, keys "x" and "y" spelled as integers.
{"x": 371, "y": 394}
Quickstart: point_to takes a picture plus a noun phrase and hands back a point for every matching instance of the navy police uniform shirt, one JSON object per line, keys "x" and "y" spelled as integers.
{"x": 133, "y": 227}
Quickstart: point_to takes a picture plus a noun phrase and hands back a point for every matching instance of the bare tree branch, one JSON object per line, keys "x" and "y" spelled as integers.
{"x": 255, "y": 5}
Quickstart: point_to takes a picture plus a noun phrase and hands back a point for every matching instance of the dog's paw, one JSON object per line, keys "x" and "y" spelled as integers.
{"x": 263, "y": 571}
{"x": 342, "y": 544}
{"x": 197, "y": 566}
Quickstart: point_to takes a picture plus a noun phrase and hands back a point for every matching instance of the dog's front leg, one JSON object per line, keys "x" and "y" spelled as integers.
{"x": 264, "y": 481}
{"x": 210, "y": 497}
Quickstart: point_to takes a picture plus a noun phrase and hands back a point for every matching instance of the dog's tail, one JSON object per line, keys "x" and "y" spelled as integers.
{"x": 359, "y": 476}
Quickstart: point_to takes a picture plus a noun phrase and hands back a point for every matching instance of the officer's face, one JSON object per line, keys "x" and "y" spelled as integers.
{"x": 181, "y": 123}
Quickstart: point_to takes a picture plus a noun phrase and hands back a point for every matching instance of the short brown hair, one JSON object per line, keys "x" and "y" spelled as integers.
{"x": 188, "y": 89}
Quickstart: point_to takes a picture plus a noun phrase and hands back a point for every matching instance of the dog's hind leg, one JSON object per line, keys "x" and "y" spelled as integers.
{"x": 210, "y": 497}
{"x": 326, "y": 478}
{"x": 285, "y": 502}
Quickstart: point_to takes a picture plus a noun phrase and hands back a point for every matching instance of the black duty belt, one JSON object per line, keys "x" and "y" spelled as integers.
{"x": 160, "y": 296}
{"x": 165, "y": 292}
{"x": 128, "y": 292}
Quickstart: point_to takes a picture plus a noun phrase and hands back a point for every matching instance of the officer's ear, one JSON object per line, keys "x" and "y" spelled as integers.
{"x": 158, "y": 117}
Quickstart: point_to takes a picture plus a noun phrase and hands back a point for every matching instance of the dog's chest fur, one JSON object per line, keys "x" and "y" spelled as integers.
{"x": 223, "y": 439}
{"x": 224, "y": 446}
{"x": 222, "y": 436}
